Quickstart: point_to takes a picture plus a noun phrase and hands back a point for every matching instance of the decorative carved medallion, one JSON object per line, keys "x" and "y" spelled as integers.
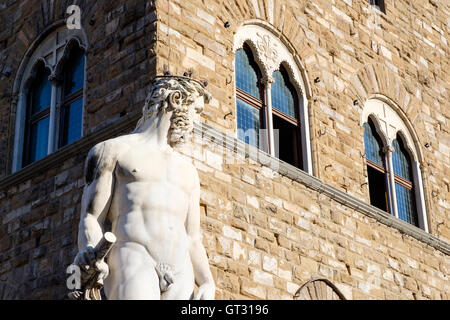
{"x": 267, "y": 51}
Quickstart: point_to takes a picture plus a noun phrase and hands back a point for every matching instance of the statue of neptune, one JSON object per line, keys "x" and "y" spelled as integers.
{"x": 151, "y": 196}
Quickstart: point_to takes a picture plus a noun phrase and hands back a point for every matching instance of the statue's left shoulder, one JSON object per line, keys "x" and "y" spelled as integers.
{"x": 188, "y": 169}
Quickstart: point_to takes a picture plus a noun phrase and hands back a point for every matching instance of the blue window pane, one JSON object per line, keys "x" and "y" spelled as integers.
{"x": 282, "y": 96}
{"x": 72, "y": 117}
{"x": 74, "y": 72}
{"x": 41, "y": 91}
{"x": 246, "y": 75}
{"x": 248, "y": 123}
{"x": 405, "y": 204}
{"x": 38, "y": 140}
{"x": 372, "y": 144}
{"x": 400, "y": 160}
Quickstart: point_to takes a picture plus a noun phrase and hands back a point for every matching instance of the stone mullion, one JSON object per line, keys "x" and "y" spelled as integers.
{"x": 267, "y": 82}
{"x": 393, "y": 197}
{"x": 52, "y": 116}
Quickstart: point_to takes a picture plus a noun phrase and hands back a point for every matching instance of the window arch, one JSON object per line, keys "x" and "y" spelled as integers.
{"x": 248, "y": 76}
{"x": 71, "y": 110}
{"x": 249, "y": 102}
{"x": 49, "y": 85}
{"x": 377, "y": 173}
{"x": 404, "y": 184}
{"x": 270, "y": 97}
{"x": 285, "y": 117}
{"x": 38, "y": 114}
{"x": 390, "y": 141}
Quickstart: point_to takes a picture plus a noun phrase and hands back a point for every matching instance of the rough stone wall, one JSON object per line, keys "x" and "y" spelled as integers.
{"x": 265, "y": 234}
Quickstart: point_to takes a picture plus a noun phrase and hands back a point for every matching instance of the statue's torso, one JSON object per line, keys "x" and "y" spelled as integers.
{"x": 151, "y": 200}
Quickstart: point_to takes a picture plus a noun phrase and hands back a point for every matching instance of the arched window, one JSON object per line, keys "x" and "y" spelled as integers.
{"x": 72, "y": 98}
{"x": 404, "y": 185}
{"x": 285, "y": 118}
{"x": 376, "y": 167}
{"x": 271, "y": 102}
{"x": 249, "y": 101}
{"x": 50, "y": 86}
{"x": 393, "y": 170}
{"x": 37, "y": 117}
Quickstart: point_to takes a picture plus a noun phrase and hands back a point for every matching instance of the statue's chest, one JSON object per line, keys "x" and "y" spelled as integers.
{"x": 150, "y": 167}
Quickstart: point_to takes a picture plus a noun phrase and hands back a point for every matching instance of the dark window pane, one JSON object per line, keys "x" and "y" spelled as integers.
{"x": 282, "y": 95}
{"x": 372, "y": 144}
{"x": 401, "y": 160}
{"x": 74, "y": 72}
{"x": 285, "y": 139}
{"x": 377, "y": 188}
{"x": 72, "y": 120}
{"x": 41, "y": 91}
{"x": 405, "y": 204}
{"x": 246, "y": 73}
{"x": 248, "y": 123}
{"x": 38, "y": 140}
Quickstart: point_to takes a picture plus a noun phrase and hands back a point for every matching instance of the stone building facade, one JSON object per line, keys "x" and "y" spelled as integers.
{"x": 268, "y": 226}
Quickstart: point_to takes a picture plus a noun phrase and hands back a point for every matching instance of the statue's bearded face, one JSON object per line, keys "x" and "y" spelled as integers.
{"x": 182, "y": 120}
{"x": 183, "y": 97}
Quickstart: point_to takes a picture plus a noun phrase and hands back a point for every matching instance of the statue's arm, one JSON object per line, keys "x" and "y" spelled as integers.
{"x": 97, "y": 194}
{"x": 202, "y": 272}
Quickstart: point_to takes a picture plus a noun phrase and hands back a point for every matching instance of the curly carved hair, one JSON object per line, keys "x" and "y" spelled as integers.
{"x": 177, "y": 94}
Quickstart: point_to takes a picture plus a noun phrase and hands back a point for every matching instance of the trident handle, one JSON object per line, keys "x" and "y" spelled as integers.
{"x": 104, "y": 246}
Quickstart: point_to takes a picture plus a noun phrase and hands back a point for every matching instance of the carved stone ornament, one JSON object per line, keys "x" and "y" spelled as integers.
{"x": 150, "y": 193}
{"x": 269, "y": 53}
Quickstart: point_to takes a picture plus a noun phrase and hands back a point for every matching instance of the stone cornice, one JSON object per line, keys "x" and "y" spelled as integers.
{"x": 220, "y": 138}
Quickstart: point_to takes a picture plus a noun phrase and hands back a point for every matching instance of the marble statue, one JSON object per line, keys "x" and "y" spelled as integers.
{"x": 150, "y": 194}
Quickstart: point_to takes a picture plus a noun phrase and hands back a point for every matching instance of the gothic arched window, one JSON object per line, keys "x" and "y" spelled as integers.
{"x": 285, "y": 118}
{"x": 271, "y": 104}
{"x": 376, "y": 167}
{"x": 249, "y": 100}
{"x": 392, "y": 158}
{"x": 72, "y": 98}
{"x": 50, "y": 90}
{"x": 37, "y": 117}
{"x": 404, "y": 185}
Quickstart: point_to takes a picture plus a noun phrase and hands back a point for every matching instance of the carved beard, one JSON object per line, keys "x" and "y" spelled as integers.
{"x": 180, "y": 126}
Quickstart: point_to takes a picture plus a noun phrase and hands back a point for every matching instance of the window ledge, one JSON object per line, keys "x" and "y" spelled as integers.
{"x": 313, "y": 183}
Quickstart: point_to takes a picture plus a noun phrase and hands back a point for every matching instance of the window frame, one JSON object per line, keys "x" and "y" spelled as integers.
{"x": 52, "y": 48}
{"x": 64, "y": 101}
{"x": 390, "y": 124}
{"x": 297, "y": 152}
{"x": 259, "y": 104}
{"x": 384, "y": 170}
{"x": 270, "y": 52}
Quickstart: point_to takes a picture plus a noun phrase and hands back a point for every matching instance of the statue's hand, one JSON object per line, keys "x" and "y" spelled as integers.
{"x": 205, "y": 292}
{"x": 86, "y": 259}
{"x": 102, "y": 267}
